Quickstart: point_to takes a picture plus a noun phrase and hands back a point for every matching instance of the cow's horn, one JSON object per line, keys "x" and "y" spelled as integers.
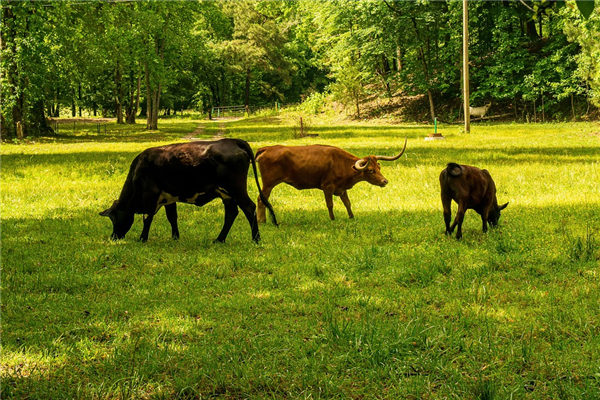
{"x": 385, "y": 158}
{"x": 361, "y": 164}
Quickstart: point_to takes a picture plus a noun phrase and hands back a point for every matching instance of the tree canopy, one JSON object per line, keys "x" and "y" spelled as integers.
{"x": 137, "y": 59}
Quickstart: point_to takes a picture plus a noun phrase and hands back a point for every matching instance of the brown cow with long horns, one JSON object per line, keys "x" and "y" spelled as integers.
{"x": 328, "y": 168}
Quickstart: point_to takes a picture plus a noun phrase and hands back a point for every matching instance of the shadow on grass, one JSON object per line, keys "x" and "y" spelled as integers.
{"x": 92, "y": 132}
{"x": 415, "y": 155}
{"x": 212, "y": 317}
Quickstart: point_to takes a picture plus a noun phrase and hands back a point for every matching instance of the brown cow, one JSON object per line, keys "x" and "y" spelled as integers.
{"x": 328, "y": 168}
{"x": 472, "y": 188}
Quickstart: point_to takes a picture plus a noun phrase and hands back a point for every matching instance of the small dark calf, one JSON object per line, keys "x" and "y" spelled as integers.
{"x": 471, "y": 188}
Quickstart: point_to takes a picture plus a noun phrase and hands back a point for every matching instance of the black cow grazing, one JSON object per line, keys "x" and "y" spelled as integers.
{"x": 472, "y": 188}
{"x": 194, "y": 173}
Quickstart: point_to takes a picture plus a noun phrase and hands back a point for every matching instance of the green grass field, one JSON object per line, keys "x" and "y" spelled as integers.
{"x": 382, "y": 306}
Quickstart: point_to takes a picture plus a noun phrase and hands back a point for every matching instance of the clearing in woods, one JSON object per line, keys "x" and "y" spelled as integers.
{"x": 382, "y": 306}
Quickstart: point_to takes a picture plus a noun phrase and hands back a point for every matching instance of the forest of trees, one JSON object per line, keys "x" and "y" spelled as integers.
{"x": 137, "y": 59}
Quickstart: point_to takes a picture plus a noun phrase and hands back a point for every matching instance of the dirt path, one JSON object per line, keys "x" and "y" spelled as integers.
{"x": 197, "y": 132}
{"x": 200, "y": 129}
{"x": 221, "y": 132}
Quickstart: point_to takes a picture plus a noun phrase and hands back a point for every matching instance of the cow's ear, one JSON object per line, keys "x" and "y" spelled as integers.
{"x": 359, "y": 166}
{"x": 109, "y": 210}
{"x": 503, "y": 206}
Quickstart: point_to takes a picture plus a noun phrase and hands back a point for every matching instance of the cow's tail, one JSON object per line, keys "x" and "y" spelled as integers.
{"x": 259, "y": 152}
{"x": 246, "y": 147}
{"x": 454, "y": 169}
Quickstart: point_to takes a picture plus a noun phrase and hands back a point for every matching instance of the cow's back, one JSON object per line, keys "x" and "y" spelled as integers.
{"x": 473, "y": 184}
{"x": 304, "y": 167}
{"x": 183, "y": 169}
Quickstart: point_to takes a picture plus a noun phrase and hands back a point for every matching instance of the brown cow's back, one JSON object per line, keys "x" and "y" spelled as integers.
{"x": 304, "y": 167}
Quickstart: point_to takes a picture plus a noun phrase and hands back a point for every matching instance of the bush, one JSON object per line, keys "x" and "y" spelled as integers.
{"x": 314, "y": 103}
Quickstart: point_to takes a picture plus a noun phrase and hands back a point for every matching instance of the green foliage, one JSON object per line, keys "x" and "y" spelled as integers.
{"x": 586, "y": 7}
{"x": 587, "y": 35}
{"x": 91, "y": 57}
{"x": 314, "y": 103}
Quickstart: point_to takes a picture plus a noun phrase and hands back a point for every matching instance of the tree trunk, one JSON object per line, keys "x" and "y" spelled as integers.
{"x": 3, "y": 127}
{"x": 357, "y": 100}
{"x": 572, "y": 107}
{"x": 143, "y": 108}
{"x": 73, "y": 109}
{"x": 118, "y": 94}
{"x": 137, "y": 102}
{"x": 39, "y": 124}
{"x": 398, "y": 59}
{"x": 79, "y": 98}
{"x": 425, "y": 69}
{"x": 149, "y": 99}
{"x": 156, "y": 108}
{"x": 247, "y": 91}
{"x": 531, "y": 30}
{"x": 134, "y": 101}
{"x": 431, "y": 105}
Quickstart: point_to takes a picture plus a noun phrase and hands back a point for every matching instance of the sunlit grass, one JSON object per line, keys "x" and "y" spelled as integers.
{"x": 382, "y": 306}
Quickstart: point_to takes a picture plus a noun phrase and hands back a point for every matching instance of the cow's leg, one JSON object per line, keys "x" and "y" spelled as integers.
{"x": 249, "y": 209}
{"x": 346, "y": 201}
{"x": 151, "y": 207}
{"x": 484, "y": 219}
{"x": 231, "y": 212}
{"x": 147, "y": 222}
{"x": 447, "y": 206}
{"x": 260, "y": 207}
{"x": 171, "y": 210}
{"x": 329, "y": 202}
{"x": 458, "y": 220}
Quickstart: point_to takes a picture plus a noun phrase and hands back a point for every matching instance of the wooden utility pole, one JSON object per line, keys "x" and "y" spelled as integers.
{"x": 466, "y": 66}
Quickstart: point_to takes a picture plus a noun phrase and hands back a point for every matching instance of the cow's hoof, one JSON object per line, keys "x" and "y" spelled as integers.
{"x": 217, "y": 240}
{"x": 143, "y": 240}
{"x": 176, "y": 237}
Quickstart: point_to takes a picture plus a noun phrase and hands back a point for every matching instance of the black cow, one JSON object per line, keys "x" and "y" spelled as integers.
{"x": 194, "y": 173}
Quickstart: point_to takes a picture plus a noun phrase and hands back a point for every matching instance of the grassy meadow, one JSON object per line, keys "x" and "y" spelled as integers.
{"x": 381, "y": 306}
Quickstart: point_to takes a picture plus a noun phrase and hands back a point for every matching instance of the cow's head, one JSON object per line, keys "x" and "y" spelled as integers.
{"x": 370, "y": 168}
{"x": 121, "y": 220}
{"x": 494, "y": 216}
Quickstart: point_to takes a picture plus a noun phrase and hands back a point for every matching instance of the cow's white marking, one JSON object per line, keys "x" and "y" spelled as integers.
{"x": 167, "y": 198}
{"x": 192, "y": 200}
{"x": 223, "y": 193}
{"x": 164, "y": 199}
